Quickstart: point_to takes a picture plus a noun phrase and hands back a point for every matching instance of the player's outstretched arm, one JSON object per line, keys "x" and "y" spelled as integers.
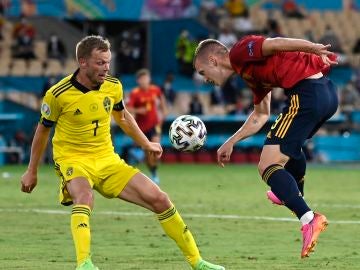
{"x": 271, "y": 46}
{"x": 39, "y": 143}
{"x": 128, "y": 124}
{"x": 252, "y": 125}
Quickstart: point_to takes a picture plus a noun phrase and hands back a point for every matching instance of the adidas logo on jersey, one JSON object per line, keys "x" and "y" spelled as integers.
{"x": 77, "y": 112}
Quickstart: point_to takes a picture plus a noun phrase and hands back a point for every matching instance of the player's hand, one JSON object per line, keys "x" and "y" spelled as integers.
{"x": 154, "y": 148}
{"x": 224, "y": 153}
{"x": 328, "y": 61}
{"x": 328, "y": 57}
{"x": 28, "y": 181}
{"x": 320, "y": 49}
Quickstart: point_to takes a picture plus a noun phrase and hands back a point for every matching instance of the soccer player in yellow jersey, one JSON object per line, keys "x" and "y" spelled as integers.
{"x": 81, "y": 106}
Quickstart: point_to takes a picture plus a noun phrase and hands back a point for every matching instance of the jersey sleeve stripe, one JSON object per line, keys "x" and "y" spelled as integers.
{"x": 58, "y": 88}
{"x": 62, "y": 90}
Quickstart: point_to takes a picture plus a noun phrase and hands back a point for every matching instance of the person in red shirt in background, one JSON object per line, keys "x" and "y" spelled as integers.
{"x": 298, "y": 66}
{"x": 148, "y": 105}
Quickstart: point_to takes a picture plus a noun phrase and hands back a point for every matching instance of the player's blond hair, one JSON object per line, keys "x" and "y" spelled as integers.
{"x": 209, "y": 46}
{"x": 85, "y": 46}
{"x": 141, "y": 72}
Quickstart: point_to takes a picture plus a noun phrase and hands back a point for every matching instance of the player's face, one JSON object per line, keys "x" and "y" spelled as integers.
{"x": 144, "y": 81}
{"x": 211, "y": 71}
{"x": 97, "y": 66}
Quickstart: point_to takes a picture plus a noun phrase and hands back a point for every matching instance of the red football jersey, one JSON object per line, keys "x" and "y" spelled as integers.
{"x": 145, "y": 99}
{"x": 262, "y": 73}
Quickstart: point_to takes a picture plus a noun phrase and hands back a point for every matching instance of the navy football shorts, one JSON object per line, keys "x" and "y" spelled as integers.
{"x": 310, "y": 103}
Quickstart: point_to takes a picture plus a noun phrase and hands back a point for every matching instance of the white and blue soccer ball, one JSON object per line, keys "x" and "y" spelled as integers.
{"x": 187, "y": 133}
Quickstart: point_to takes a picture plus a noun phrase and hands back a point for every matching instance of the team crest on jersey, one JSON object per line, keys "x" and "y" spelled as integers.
{"x": 250, "y": 47}
{"x": 107, "y": 104}
{"x": 45, "y": 109}
{"x": 69, "y": 171}
{"x": 93, "y": 107}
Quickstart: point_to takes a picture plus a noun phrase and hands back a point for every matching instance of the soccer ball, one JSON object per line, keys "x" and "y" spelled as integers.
{"x": 187, "y": 133}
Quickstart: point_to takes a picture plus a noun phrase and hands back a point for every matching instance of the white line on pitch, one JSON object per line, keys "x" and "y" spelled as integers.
{"x": 116, "y": 213}
{"x": 350, "y": 206}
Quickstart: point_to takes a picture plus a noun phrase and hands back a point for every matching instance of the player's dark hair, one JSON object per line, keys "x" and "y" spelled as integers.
{"x": 89, "y": 43}
{"x": 209, "y": 45}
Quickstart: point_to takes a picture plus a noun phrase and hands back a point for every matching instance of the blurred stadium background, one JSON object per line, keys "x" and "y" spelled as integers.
{"x": 37, "y": 40}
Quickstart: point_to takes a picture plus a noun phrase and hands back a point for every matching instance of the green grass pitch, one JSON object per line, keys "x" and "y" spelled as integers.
{"x": 225, "y": 208}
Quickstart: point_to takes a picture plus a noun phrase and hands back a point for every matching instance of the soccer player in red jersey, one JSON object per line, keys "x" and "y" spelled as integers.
{"x": 144, "y": 103}
{"x": 298, "y": 66}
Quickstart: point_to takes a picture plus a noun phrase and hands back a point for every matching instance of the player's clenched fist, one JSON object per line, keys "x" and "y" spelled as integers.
{"x": 28, "y": 182}
{"x": 224, "y": 153}
{"x": 154, "y": 148}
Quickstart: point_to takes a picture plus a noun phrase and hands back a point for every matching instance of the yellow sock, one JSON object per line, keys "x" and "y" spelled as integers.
{"x": 80, "y": 228}
{"x": 176, "y": 229}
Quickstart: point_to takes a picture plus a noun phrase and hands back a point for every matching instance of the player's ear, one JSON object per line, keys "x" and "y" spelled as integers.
{"x": 212, "y": 60}
{"x": 82, "y": 62}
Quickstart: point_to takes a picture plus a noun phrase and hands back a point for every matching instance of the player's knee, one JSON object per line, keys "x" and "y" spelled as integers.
{"x": 262, "y": 167}
{"x": 266, "y": 162}
{"x": 161, "y": 202}
{"x": 85, "y": 197}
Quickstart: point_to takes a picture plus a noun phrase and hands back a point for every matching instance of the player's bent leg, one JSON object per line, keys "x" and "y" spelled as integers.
{"x": 141, "y": 191}
{"x": 82, "y": 196}
{"x": 284, "y": 186}
{"x": 297, "y": 168}
{"x": 282, "y": 183}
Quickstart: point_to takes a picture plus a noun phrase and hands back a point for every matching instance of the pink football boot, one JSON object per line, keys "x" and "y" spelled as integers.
{"x": 311, "y": 233}
{"x": 272, "y": 197}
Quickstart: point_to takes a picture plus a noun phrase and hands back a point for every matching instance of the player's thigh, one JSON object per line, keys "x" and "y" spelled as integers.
{"x": 296, "y": 123}
{"x": 113, "y": 175}
{"x": 80, "y": 191}
{"x": 74, "y": 169}
{"x": 142, "y": 191}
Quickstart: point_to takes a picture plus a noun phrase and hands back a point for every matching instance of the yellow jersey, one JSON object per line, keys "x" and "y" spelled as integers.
{"x": 81, "y": 116}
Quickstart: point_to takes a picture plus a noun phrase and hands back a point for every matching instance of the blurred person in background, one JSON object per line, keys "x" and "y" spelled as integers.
{"x": 56, "y": 48}
{"x": 195, "y": 106}
{"x": 236, "y": 8}
{"x": 331, "y": 38}
{"x": 227, "y": 37}
{"x": 291, "y": 9}
{"x": 24, "y": 34}
{"x": 148, "y": 105}
{"x": 168, "y": 90}
{"x": 185, "y": 48}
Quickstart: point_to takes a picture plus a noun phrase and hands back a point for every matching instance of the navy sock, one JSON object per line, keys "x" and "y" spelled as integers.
{"x": 297, "y": 168}
{"x": 284, "y": 186}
